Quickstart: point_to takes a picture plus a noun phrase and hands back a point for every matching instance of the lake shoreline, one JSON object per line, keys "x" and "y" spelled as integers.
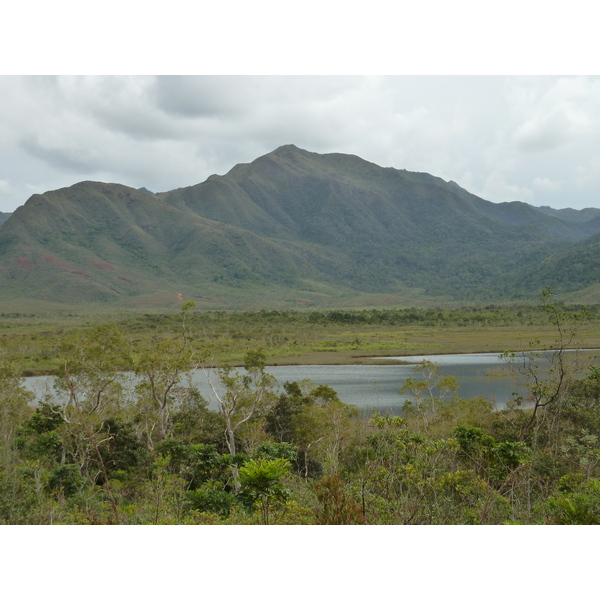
{"x": 388, "y": 357}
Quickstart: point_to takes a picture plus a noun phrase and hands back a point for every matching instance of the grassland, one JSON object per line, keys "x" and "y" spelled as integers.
{"x": 295, "y": 337}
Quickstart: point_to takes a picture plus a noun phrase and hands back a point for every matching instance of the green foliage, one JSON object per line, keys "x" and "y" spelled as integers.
{"x": 194, "y": 463}
{"x": 123, "y": 452}
{"x": 65, "y": 480}
{"x": 14, "y": 408}
{"x": 290, "y": 224}
{"x": 20, "y": 496}
{"x": 463, "y": 496}
{"x": 579, "y": 506}
{"x": 261, "y": 483}
{"x": 47, "y": 417}
{"x": 472, "y": 439}
{"x": 272, "y": 450}
{"x": 194, "y": 422}
{"x": 295, "y": 455}
{"x": 210, "y": 500}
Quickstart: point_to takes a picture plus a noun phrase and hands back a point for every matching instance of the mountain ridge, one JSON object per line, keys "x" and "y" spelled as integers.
{"x": 290, "y": 227}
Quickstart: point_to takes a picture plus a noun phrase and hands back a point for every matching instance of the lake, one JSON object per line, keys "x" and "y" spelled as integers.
{"x": 376, "y": 387}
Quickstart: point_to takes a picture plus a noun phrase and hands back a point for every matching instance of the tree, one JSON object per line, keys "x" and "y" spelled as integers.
{"x": 261, "y": 483}
{"x": 550, "y": 374}
{"x": 14, "y": 399}
{"x": 323, "y": 428}
{"x": 92, "y": 371}
{"x": 336, "y": 507}
{"x": 548, "y": 371}
{"x": 247, "y": 395}
{"x": 91, "y": 376}
{"x": 160, "y": 369}
{"x": 279, "y": 420}
{"x": 15, "y": 494}
{"x": 194, "y": 422}
{"x": 428, "y": 392}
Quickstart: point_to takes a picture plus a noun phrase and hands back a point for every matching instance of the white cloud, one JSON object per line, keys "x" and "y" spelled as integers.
{"x": 588, "y": 176}
{"x": 546, "y": 185}
{"x": 5, "y": 191}
{"x": 565, "y": 113}
{"x": 499, "y": 137}
{"x": 496, "y": 188}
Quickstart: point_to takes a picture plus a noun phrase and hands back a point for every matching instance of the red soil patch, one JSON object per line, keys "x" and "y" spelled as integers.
{"x": 102, "y": 265}
{"x": 53, "y": 260}
{"x": 25, "y": 263}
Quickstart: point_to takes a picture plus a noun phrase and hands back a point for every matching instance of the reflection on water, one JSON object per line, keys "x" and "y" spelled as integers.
{"x": 376, "y": 387}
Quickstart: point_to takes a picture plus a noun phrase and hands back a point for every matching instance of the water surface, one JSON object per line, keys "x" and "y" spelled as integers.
{"x": 377, "y": 387}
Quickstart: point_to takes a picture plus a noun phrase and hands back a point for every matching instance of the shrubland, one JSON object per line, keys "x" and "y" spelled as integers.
{"x": 90, "y": 452}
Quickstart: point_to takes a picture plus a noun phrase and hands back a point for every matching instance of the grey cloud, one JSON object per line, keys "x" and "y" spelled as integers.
{"x": 495, "y": 136}
{"x": 60, "y": 158}
{"x": 544, "y": 134}
{"x": 135, "y": 123}
{"x": 198, "y": 97}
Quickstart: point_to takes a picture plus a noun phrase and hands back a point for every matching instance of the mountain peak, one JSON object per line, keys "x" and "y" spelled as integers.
{"x": 289, "y": 151}
{"x": 289, "y": 225}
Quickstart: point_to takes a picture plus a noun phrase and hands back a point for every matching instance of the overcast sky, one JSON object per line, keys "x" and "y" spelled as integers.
{"x": 534, "y": 139}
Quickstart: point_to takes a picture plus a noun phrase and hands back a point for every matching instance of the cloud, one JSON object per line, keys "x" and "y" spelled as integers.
{"x": 203, "y": 98}
{"x": 543, "y": 133}
{"x": 5, "y": 190}
{"x": 587, "y": 176}
{"x": 497, "y": 188}
{"x": 499, "y": 137}
{"x": 63, "y": 158}
{"x": 565, "y": 113}
{"x": 546, "y": 185}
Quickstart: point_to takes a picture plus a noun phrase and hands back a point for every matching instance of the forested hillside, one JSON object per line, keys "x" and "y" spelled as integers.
{"x": 292, "y": 227}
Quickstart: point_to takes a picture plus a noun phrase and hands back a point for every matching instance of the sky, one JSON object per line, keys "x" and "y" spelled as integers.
{"x": 534, "y": 139}
{"x": 493, "y": 95}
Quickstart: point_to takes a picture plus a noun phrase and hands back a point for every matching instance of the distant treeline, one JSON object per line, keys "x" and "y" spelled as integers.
{"x": 91, "y": 452}
{"x": 466, "y": 315}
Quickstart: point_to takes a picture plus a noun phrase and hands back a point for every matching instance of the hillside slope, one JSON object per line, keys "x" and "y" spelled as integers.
{"x": 102, "y": 242}
{"x": 374, "y": 227}
{"x": 292, "y": 226}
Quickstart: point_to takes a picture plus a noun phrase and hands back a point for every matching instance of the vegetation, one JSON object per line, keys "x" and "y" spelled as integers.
{"x": 88, "y": 452}
{"x": 296, "y": 337}
{"x": 291, "y": 229}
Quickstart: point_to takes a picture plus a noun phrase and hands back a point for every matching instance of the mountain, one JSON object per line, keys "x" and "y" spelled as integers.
{"x": 3, "y": 217}
{"x": 571, "y": 271}
{"x": 100, "y": 242}
{"x": 292, "y": 226}
{"x": 572, "y": 215}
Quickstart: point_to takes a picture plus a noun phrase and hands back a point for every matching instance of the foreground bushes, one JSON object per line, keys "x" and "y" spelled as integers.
{"x": 91, "y": 453}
